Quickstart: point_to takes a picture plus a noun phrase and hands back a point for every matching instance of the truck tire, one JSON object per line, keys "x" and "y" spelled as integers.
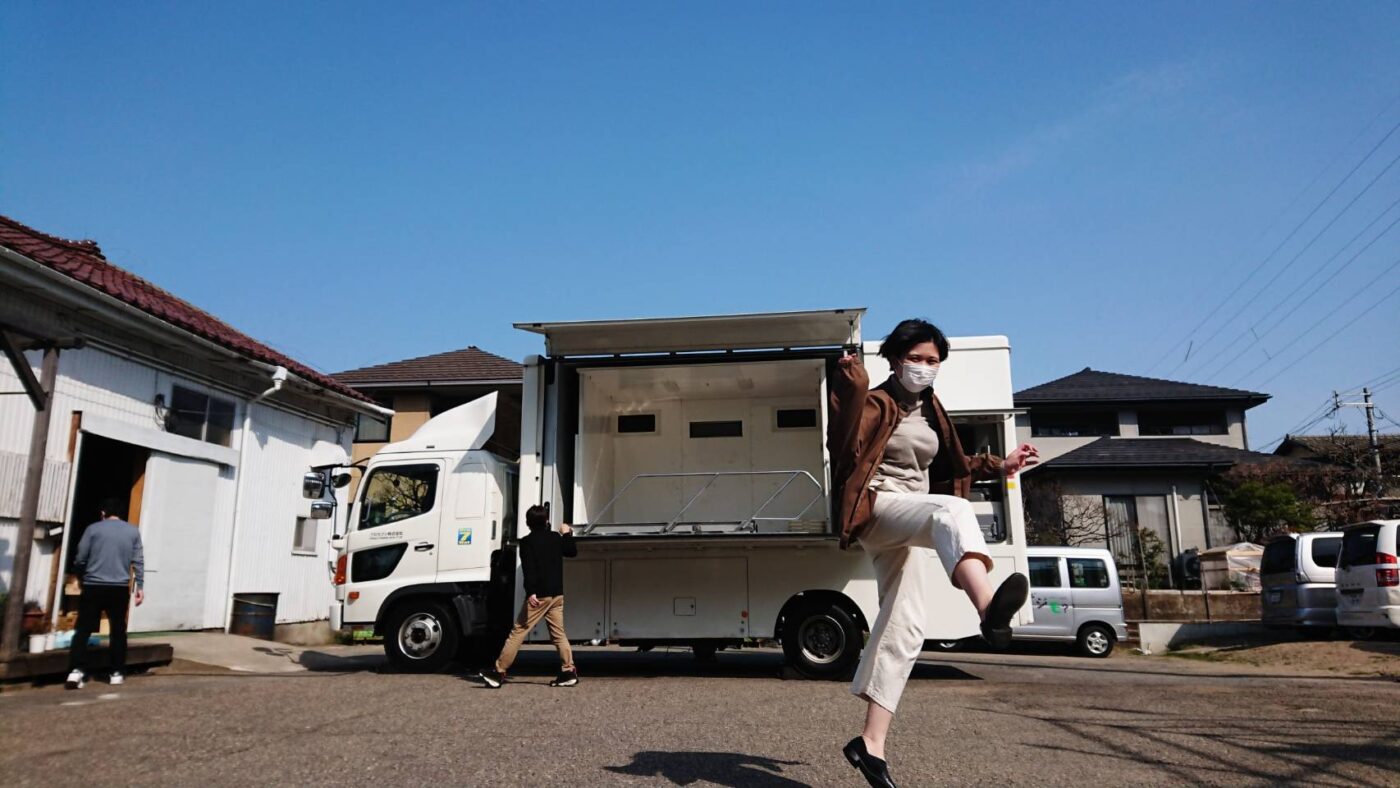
{"x": 1095, "y": 640}
{"x": 822, "y": 641}
{"x": 421, "y": 636}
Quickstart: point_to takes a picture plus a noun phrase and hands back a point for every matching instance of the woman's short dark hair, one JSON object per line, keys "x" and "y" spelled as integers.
{"x": 909, "y": 333}
{"x": 537, "y": 517}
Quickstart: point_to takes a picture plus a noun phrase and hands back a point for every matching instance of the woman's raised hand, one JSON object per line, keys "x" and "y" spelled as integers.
{"x": 1024, "y": 456}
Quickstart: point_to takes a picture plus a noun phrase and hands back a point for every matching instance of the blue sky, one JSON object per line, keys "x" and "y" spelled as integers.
{"x": 355, "y": 183}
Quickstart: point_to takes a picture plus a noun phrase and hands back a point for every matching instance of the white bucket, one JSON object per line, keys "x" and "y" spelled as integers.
{"x": 36, "y": 643}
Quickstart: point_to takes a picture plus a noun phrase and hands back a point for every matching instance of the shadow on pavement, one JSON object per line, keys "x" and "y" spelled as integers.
{"x": 718, "y": 768}
{"x": 540, "y": 665}
{"x": 321, "y": 662}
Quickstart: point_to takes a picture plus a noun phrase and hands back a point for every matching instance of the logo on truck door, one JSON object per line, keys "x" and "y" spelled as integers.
{"x": 464, "y": 536}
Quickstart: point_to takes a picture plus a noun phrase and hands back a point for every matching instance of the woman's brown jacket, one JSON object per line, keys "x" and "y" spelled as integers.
{"x": 861, "y": 423}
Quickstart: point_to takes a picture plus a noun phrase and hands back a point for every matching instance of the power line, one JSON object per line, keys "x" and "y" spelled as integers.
{"x": 1297, "y": 256}
{"x": 1347, "y": 325}
{"x": 1327, "y": 408}
{"x": 1276, "y": 249}
{"x": 1276, "y": 309}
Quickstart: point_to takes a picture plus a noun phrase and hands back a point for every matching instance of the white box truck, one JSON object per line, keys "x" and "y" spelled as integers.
{"x": 690, "y": 456}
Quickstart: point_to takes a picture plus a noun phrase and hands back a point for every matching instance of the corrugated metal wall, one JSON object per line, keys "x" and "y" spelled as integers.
{"x": 272, "y": 501}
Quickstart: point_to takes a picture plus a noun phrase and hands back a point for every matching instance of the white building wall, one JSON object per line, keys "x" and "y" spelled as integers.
{"x": 281, "y": 452}
{"x": 107, "y": 385}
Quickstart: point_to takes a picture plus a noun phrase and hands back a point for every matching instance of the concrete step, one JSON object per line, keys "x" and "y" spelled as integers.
{"x": 53, "y": 665}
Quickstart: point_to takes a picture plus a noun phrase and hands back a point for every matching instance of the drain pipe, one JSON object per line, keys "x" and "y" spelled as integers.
{"x": 279, "y": 376}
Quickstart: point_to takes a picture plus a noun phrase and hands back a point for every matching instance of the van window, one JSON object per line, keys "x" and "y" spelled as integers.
{"x": 1325, "y": 550}
{"x": 398, "y": 492}
{"x": 1087, "y": 573}
{"x": 1359, "y": 546}
{"x": 1280, "y": 555}
{"x": 1045, "y": 573}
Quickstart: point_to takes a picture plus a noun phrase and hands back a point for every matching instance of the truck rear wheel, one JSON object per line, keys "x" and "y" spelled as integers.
{"x": 822, "y": 641}
{"x": 421, "y": 636}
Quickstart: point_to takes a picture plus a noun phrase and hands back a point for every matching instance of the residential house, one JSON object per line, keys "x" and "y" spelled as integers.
{"x": 419, "y": 388}
{"x": 203, "y": 430}
{"x": 1123, "y": 452}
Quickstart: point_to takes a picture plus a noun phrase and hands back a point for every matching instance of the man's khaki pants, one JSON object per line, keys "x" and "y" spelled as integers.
{"x": 551, "y": 609}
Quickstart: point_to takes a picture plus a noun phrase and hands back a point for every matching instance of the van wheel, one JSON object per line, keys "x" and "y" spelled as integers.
{"x": 822, "y": 641}
{"x": 1361, "y": 633}
{"x": 420, "y": 636}
{"x": 1095, "y": 640}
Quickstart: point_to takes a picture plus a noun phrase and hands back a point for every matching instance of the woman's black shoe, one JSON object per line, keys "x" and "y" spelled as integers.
{"x": 876, "y": 771}
{"x": 996, "y": 625}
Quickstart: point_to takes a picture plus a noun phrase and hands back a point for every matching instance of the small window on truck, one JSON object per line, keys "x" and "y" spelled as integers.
{"x": 636, "y": 422}
{"x": 398, "y": 492}
{"x": 1088, "y": 573}
{"x": 716, "y": 429}
{"x": 796, "y": 418}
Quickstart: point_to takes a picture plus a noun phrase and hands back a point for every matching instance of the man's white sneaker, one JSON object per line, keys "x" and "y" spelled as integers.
{"x": 76, "y": 680}
{"x": 116, "y": 679}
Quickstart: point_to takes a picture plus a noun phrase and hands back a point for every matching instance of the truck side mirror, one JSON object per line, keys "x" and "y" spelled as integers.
{"x": 340, "y": 480}
{"x": 313, "y": 485}
{"x": 322, "y": 510}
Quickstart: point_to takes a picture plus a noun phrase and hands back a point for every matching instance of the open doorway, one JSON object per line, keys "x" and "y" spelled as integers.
{"x": 106, "y": 468}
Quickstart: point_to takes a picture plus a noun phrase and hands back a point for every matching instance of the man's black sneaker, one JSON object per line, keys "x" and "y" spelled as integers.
{"x": 996, "y": 624}
{"x": 566, "y": 678}
{"x": 493, "y": 679}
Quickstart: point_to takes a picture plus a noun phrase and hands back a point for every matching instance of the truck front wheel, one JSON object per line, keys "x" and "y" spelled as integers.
{"x": 822, "y": 641}
{"x": 421, "y": 636}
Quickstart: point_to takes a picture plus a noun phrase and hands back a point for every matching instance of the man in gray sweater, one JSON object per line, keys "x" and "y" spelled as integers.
{"x": 107, "y": 554}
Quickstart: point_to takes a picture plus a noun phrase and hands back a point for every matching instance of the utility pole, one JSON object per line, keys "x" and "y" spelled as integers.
{"x": 1373, "y": 439}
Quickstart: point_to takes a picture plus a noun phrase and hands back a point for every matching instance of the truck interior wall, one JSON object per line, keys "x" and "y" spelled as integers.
{"x": 673, "y": 398}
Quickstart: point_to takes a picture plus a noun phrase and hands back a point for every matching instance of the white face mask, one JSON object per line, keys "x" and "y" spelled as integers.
{"x": 917, "y": 377}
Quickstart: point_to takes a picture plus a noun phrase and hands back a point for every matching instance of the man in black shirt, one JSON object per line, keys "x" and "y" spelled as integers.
{"x": 542, "y": 554}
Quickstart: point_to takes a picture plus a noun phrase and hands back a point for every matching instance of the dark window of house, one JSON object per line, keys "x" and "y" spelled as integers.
{"x": 636, "y": 422}
{"x": 1074, "y": 425}
{"x": 1326, "y": 549}
{"x": 1087, "y": 573}
{"x": 797, "y": 419}
{"x": 398, "y": 492}
{"x": 1280, "y": 555}
{"x": 1182, "y": 422}
{"x": 197, "y": 415}
{"x": 716, "y": 429}
{"x": 371, "y": 429}
{"x": 376, "y": 563}
{"x": 1045, "y": 573}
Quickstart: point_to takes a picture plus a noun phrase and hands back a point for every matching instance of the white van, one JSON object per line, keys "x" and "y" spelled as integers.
{"x": 1076, "y": 599}
{"x": 1368, "y": 576}
{"x": 690, "y": 456}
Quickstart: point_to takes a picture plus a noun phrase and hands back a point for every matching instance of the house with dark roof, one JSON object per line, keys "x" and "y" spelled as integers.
{"x": 203, "y": 433}
{"x": 417, "y": 389}
{"x": 1125, "y": 452}
{"x": 1352, "y": 452}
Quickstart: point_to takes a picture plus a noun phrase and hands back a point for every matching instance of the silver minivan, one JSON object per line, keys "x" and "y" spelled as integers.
{"x": 1299, "y": 582}
{"x": 1075, "y": 598}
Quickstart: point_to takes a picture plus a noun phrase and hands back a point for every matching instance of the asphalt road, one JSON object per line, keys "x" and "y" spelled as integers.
{"x": 663, "y": 719}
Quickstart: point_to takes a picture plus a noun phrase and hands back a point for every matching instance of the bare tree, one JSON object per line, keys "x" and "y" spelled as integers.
{"x": 1055, "y": 516}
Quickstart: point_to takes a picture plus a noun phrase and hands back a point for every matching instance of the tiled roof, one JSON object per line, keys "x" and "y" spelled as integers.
{"x": 1330, "y": 445}
{"x": 1155, "y": 452}
{"x": 1091, "y": 385}
{"x": 83, "y": 262}
{"x": 466, "y": 365}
